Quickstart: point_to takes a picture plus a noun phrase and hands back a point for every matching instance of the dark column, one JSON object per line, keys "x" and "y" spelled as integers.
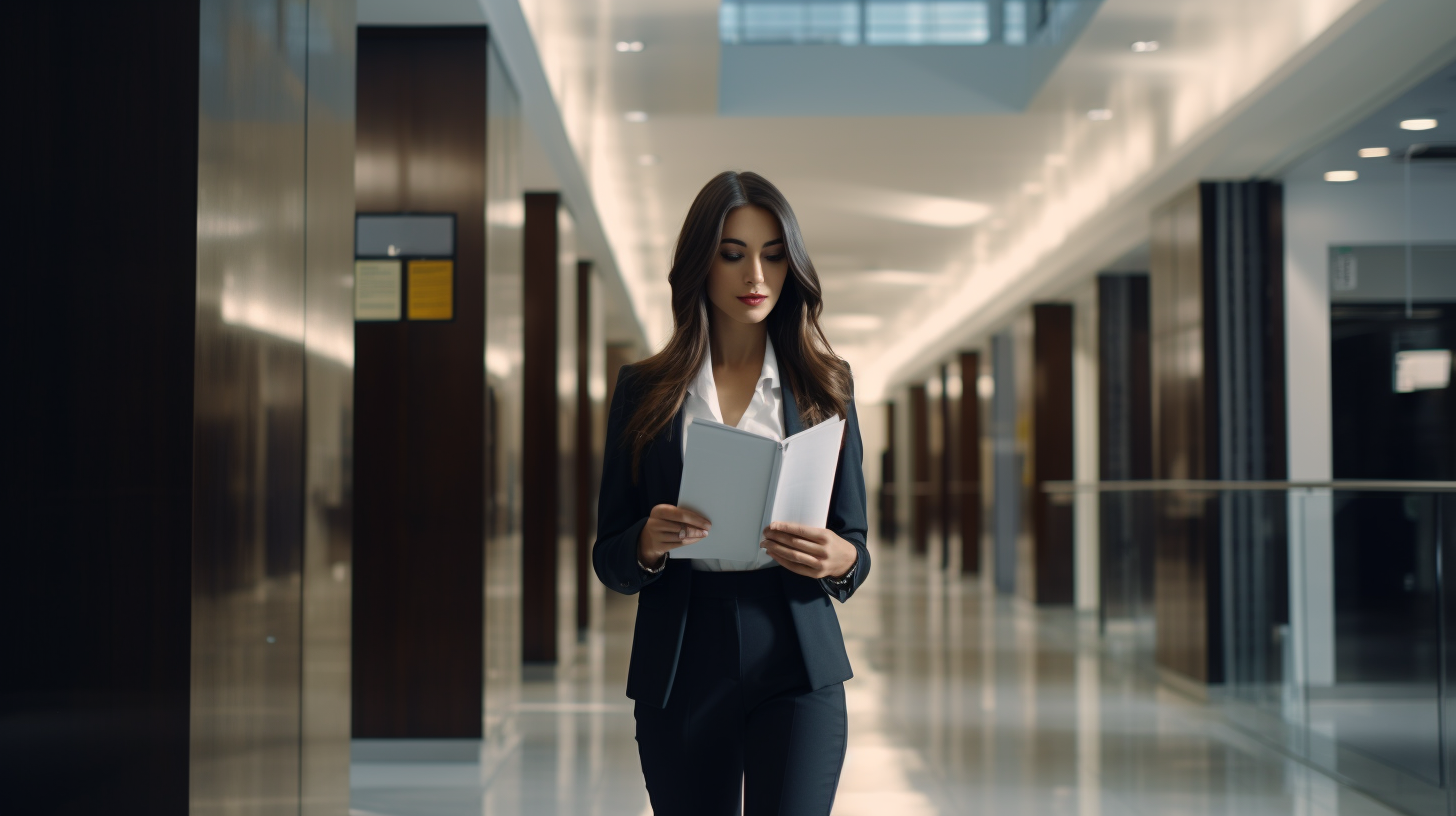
{"x": 1217, "y": 344}
{"x": 945, "y": 460}
{"x": 587, "y": 463}
{"x": 420, "y": 397}
{"x": 888, "y": 526}
{"x": 1125, "y": 445}
{"x": 920, "y": 470}
{"x": 968, "y": 464}
{"x": 97, "y": 495}
{"x": 1052, "y": 449}
{"x": 548, "y": 526}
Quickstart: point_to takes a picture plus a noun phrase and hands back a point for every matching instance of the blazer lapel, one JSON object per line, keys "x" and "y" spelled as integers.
{"x": 792, "y": 425}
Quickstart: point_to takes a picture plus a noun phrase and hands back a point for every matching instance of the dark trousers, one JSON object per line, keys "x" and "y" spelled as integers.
{"x": 741, "y": 716}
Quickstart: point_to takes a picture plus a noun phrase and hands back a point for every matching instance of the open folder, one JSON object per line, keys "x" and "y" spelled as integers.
{"x": 741, "y": 481}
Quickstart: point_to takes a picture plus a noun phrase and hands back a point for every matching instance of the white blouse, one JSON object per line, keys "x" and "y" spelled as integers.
{"x": 764, "y": 416}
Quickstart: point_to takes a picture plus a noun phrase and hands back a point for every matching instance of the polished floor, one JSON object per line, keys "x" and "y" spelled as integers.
{"x": 963, "y": 702}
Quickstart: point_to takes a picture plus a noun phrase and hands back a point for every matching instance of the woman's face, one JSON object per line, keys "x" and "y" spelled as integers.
{"x": 749, "y": 270}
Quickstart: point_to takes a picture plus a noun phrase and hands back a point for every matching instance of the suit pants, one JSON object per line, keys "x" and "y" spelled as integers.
{"x": 741, "y": 717}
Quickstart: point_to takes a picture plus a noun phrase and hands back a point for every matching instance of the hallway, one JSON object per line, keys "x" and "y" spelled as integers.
{"x": 962, "y": 703}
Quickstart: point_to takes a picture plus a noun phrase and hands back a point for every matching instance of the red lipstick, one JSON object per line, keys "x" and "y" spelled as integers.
{"x": 753, "y": 300}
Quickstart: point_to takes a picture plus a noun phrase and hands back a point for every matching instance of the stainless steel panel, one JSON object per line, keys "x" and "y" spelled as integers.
{"x": 329, "y": 408}
{"x": 504, "y": 351}
{"x": 255, "y": 501}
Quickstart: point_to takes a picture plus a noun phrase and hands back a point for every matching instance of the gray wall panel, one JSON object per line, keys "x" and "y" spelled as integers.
{"x": 329, "y": 410}
{"x": 504, "y": 352}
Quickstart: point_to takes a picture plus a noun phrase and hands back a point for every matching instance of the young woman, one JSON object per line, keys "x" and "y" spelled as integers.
{"x": 737, "y": 666}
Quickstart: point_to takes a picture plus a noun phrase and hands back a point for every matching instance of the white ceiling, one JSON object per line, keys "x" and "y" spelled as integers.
{"x": 1053, "y": 195}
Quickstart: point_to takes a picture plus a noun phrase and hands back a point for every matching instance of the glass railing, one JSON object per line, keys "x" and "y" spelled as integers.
{"x": 1317, "y": 616}
{"x": 890, "y": 22}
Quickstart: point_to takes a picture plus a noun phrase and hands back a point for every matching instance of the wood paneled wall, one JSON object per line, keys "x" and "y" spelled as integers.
{"x": 419, "y": 392}
{"x": 1052, "y": 452}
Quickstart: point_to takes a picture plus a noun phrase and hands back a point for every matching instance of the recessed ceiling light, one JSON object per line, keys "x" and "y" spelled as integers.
{"x": 1418, "y": 124}
{"x": 1374, "y": 152}
{"x": 1145, "y": 46}
{"x": 1341, "y": 175}
{"x": 635, "y": 117}
{"x": 1099, "y": 114}
{"x": 1032, "y": 188}
{"x": 647, "y": 160}
{"x": 633, "y": 46}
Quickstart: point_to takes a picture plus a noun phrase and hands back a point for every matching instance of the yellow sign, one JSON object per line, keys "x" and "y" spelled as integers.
{"x": 431, "y": 290}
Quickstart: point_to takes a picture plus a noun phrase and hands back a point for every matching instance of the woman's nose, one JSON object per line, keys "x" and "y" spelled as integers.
{"x": 755, "y": 272}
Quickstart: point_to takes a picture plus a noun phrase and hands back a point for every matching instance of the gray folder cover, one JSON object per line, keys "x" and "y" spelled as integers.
{"x": 741, "y": 481}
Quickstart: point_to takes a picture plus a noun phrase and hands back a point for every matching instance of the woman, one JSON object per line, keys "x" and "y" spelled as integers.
{"x": 737, "y": 666}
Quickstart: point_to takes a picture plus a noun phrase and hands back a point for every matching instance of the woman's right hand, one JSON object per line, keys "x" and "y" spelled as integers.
{"x": 668, "y": 527}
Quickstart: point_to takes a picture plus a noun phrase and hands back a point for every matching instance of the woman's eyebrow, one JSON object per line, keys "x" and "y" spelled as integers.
{"x": 768, "y": 244}
{"x": 733, "y": 241}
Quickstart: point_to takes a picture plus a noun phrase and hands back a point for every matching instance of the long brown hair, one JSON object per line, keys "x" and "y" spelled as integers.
{"x": 819, "y": 379}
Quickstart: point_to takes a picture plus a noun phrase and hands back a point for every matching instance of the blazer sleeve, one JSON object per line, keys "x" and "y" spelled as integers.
{"x": 847, "y": 513}
{"x": 620, "y": 511}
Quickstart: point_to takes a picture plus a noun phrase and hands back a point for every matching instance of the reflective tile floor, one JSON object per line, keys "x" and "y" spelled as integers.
{"x": 962, "y": 703}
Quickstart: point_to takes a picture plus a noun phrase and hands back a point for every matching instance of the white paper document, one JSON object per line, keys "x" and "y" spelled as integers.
{"x": 741, "y": 481}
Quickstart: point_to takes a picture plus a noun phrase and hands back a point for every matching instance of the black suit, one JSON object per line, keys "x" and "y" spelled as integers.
{"x": 658, "y": 644}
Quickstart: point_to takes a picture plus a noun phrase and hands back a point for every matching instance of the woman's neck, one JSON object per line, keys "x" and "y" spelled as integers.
{"x": 737, "y": 344}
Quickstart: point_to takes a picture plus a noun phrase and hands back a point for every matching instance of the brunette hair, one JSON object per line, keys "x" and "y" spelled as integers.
{"x": 819, "y": 379}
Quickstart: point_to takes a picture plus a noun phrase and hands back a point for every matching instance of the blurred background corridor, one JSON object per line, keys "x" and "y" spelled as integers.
{"x": 1150, "y": 306}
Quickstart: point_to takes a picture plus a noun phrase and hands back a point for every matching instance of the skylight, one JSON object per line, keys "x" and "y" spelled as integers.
{"x": 886, "y": 22}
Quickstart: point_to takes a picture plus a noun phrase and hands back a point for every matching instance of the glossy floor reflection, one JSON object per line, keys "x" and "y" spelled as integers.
{"x": 962, "y": 703}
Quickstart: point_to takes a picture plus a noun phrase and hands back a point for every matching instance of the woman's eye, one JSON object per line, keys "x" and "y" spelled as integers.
{"x": 731, "y": 256}
{"x": 774, "y": 258}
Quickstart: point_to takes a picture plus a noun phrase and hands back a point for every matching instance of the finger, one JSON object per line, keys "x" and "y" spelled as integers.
{"x": 677, "y": 531}
{"x": 787, "y": 554}
{"x": 800, "y": 530}
{"x": 794, "y": 566}
{"x": 670, "y": 512}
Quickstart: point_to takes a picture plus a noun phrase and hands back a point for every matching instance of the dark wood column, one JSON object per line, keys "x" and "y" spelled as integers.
{"x": 420, "y": 397}
{"x": 920, "y": 469}
{"x": 1052, "y": 449}
{"x": 1217, "y": 347}
{"x": 968, "y": 464}
{"x": 587, "y": 468}
{"x": 548, "y": 483}
{"x": 888, "y": 516}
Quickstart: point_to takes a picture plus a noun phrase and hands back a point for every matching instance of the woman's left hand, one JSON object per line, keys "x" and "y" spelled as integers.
{"x": 811, "y": 551}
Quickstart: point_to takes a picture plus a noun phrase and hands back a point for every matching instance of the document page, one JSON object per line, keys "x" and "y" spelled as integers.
{"x": 726, "y": 476}
{"x": 806, "y": 476}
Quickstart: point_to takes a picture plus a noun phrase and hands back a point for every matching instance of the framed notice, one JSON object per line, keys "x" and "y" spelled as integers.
{"x": 431, "y": 290}
{"x": 377, "y": 291}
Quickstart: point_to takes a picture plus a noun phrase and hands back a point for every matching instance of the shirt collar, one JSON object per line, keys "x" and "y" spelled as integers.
{"x": 768, "y": 376}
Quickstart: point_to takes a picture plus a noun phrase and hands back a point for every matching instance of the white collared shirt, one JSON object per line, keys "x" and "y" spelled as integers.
{"x": 764, "y": 416}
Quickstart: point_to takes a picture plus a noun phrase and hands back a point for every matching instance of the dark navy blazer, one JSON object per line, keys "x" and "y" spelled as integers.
{"x": 662, "y": 607}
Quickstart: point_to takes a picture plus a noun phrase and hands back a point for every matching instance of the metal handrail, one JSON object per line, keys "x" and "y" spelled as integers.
{"x": 1210, "y": 485}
